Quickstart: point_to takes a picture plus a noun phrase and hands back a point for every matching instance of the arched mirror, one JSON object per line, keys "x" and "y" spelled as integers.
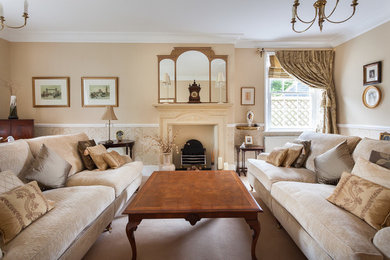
{"x": 192, "y": 66}
{"x": 167, "y": 81}
{"x": 218, "y": 81}
{"x": 188, "y": 64}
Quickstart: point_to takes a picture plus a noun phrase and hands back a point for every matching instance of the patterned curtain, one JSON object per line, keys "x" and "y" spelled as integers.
{"x": 315, "y": 69}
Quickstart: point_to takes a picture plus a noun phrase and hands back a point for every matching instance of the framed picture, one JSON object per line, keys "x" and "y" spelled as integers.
{"x": 99, "y": 91}
{"x": 51, "y": 91}
{"x": 371, "y": 96}
{"x": 372, "y": 73}
{"x": 384, "y": 136}
{"x": 248, "y": 139}
{"x": 247, "y": 96}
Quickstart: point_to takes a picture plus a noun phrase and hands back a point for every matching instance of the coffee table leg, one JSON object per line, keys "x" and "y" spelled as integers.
{"x": 130, "y": 228}
{"x": 255, "y": 226}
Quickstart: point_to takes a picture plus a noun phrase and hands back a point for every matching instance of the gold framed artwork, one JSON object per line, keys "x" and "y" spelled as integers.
{"x": 99, "y": 91}
{"x": 247, "y": 96}
{"x": 384, "y": 136}
{"x": 248, "y": 139}
{"x": 371, "y": 97}
{"x": 51, "y": 91}
{"x": 372, "y": 73}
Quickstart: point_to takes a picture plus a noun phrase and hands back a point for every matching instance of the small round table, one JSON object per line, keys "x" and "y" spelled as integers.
{"x": 124, "y": 143}
{"x": 248, "y": 148}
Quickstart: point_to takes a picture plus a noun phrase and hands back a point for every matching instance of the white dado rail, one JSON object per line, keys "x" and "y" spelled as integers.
{"x": 197, "y": 114}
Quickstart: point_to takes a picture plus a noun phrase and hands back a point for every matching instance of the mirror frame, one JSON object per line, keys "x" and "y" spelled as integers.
{"x": 176, "y": 52}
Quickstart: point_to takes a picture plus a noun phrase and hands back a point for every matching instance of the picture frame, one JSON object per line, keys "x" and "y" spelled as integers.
{"x": 248, "y": 139}
{"x": 51, "y": 91}
{"x": 99, "y": 91}
{"x": 371, "y": 96}
{"x": 372, "y": 73}
{"x": 248, "y": 96}
{"x": 384, "y": 136}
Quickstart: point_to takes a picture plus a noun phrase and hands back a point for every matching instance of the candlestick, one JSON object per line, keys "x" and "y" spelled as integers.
{"x": 220, "y": 163}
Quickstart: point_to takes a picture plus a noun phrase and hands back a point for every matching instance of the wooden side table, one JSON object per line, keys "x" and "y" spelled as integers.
{"x": 249, "y": 148}
{"x": 124, "y": 143}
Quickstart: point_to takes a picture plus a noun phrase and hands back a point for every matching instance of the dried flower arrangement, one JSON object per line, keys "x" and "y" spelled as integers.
{"x": 165, "y": 145}
{"x": 11, "y": 86}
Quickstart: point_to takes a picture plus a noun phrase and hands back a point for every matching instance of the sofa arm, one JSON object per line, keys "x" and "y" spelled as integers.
{"x": 381, "y": 241}
{"x": 262, "y": 156}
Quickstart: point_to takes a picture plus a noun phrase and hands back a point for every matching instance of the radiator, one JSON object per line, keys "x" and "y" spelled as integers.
{"x": 270, "y": 142}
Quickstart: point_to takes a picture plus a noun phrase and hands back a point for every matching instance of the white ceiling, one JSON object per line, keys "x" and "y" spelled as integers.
{"x": 245, "y": 23}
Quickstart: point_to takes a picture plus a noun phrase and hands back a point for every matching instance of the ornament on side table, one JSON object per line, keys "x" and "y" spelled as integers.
{"x": 249, "y": 117}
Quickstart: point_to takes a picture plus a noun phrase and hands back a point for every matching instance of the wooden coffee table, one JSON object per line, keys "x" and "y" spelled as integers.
{"x": 193, "y": 195}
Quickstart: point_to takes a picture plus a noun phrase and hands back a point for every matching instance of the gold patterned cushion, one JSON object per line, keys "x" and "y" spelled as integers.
{"x": 294, "y": 150}
{"x": 96, "y": 153}
{"x": 366, "y": 200}
{"x": 20, "y": 207}
{"x": 114, "y": 159}
{"x": 277, "y": 156}
{"x": 9, "y": 181}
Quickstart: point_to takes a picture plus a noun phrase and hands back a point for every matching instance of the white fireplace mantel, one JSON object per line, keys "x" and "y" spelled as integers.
{"x": 197, "y": 114}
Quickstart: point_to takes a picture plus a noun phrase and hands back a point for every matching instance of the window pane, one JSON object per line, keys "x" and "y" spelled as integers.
{"x": 276, "y": 85}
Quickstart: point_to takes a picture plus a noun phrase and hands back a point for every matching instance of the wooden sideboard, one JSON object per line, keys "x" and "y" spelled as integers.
{"x": 18, "y": 129}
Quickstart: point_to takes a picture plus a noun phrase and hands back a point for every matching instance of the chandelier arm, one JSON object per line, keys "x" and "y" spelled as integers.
{"x": 293, "y": 27}
{"x": 302, "y": 21}
{"x": 354, "y": 10}
{"x": 25, "y": 15}
{"x": 334, "y": 9}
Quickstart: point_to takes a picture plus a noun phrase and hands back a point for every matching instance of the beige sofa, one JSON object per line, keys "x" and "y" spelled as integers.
{"x": 82, "y": 210}
{"x": 320, "y": 229}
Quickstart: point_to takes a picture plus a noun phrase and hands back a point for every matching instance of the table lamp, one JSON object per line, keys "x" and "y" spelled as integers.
{"x": 109, "y": 115}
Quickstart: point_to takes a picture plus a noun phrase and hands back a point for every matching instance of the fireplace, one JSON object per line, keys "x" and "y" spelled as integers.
{"x": 193, "y": 154}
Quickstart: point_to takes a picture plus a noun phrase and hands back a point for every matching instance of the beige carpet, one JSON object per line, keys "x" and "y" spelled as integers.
{"x": 208, "y": 239}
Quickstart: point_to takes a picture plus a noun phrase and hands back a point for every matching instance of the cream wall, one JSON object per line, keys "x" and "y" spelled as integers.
{"x": 134, "y": 64}
{"x": 249, "y": 73}
{"x": 350, "y": 57}
{"x": 4, "y": 75}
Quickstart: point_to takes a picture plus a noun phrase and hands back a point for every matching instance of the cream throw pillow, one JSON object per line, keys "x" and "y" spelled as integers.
{"x": 9, "y": 181}
{"x": 114, "y": 159}
{"x": 294, "y": 150}
{"x": 372, "y": 172}
{"x": 20, "y": 207}
{"x": 277, "y": 156}
{"x": 96, "y": 153}
{"x": 366, "y": 200}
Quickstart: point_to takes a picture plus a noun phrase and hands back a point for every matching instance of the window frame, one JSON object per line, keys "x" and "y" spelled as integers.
{"x": 267, "y": 102}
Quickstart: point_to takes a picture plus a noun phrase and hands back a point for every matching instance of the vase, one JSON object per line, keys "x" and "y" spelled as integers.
{"x": 167, "y": 164}
{"x": 13, "y": 113}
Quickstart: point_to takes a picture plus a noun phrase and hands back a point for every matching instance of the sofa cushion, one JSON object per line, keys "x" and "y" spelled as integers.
{"x": 15, "y": 156}
{"x": 372, "y": 172}
{"x": 48, "y": 237}
{"x": 268, "y": 174}
{"x": 87, "y": 160}
{"x": 331, "y": 164}
{"x": 381, "y": 241}
{"x": 96, "y": 152}
{"x": 365, "y": 147}
{"x": 304, "y": 154}
{"x": 20, "y": 207}
{"x": 277, "y": 156}
{"x": 118, "y": 178}
{"x": 341, "y": 234}
{"x": 64, "y": 145}
{"x": 49, "y": 169}
{"x": 9, "y": 181}
{"x": 321, "y": 143}
{"x": 294, "y": 150}
{"x": 114, "y": 159}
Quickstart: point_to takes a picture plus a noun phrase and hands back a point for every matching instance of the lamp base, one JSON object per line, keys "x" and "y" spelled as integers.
{"x": 109, "y": 142}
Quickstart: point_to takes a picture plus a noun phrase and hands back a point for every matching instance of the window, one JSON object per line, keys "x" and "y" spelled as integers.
{"x": 290, "y": 104}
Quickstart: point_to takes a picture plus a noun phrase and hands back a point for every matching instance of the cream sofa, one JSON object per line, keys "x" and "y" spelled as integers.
{"x": 82, "y": 210}
{"x": 320, "y": 229}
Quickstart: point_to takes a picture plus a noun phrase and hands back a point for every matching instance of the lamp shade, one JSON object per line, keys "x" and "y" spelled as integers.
{"x": 109, "y": 114}
{"x": 167, "y": 79}
{"x": 220, "y": 77}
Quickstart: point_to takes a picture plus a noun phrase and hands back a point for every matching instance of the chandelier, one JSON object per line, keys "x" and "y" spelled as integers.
{"x": 2, "y": 19}
{"x": 319, "y": 6}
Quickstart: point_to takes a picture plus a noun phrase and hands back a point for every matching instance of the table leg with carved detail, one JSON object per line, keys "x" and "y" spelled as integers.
{"x": 254, "y": 224}
{"x": 130, "y": 228}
